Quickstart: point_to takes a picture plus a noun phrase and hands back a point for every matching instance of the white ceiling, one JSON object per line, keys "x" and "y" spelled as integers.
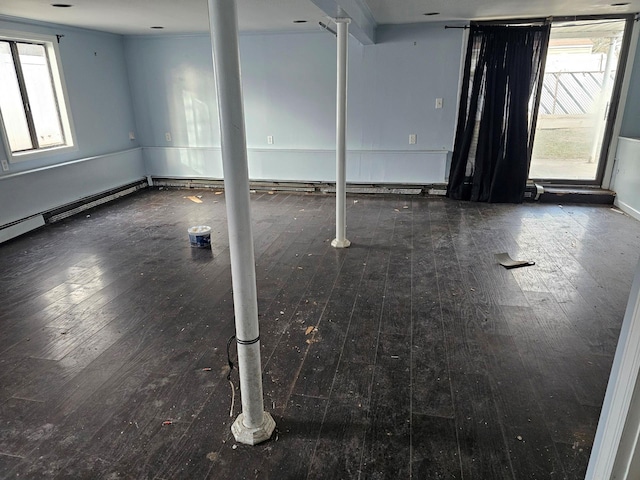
{"x": 177, "y": 16}
{"x": 188, "y": 16}
{"x": 409, "y": 11}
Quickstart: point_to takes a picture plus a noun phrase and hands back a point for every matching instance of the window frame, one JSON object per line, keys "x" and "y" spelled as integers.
{"x": 50, "y": 44}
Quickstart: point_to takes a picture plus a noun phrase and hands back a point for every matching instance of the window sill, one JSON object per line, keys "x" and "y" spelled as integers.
{"x": 41, "y": 153}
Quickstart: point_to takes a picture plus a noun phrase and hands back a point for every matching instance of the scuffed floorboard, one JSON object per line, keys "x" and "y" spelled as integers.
{"x": 412, "y": 354}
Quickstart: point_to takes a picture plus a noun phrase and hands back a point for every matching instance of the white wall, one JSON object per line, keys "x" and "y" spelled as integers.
{"x": 289, "y": 92}
{"x": 626, "y": 176}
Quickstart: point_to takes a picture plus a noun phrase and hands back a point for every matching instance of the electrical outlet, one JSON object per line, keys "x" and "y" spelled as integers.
{"x": 5, "y": 165}
{"x": 132, "y": 136}
{"x": 413, "y": 138}
{"x": 167, "y": 136}
{"x": 270, "y": 139}
{"x": 438, "y": 103}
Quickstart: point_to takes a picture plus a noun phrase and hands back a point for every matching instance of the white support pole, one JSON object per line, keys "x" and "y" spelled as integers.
{"x": 253, "y": 425}
{"x": 341, "y": 134}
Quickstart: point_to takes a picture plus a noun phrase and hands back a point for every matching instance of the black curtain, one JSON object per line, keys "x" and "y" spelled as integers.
{"x": 498, "y": 106}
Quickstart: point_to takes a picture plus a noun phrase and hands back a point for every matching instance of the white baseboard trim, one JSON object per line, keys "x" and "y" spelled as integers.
{"x": 628, "y": 209}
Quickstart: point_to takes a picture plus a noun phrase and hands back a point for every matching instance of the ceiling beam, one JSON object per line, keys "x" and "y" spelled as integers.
{"x": 363, "y": 25}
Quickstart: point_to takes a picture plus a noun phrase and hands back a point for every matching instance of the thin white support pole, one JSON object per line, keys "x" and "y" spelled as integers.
{"x": 253, "y": 425}
{"x": 341, "y": 135}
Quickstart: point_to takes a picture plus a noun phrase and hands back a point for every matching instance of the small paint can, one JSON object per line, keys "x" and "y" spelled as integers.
{"x": 200, "y": 236}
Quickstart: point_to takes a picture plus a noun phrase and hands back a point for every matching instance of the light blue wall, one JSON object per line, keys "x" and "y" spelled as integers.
{"x": 289, "y": 84}
{"x": 24, "y": 194}
{"x": 173, "y": 91}
{"x": 395, "y": 84}
{"x": 98, "y": 91}
{"x": 100, "y": 101}
{"x": 631, "y": 120}
{"x": 289, "y": 92}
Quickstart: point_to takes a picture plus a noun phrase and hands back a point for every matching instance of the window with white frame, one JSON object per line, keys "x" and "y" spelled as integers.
{"x": 33, "y": 103}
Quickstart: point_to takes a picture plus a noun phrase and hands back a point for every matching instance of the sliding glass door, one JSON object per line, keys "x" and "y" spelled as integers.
{"x": 575, "y": 106}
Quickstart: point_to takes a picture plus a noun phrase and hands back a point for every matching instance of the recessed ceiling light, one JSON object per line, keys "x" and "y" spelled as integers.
{"x": 157, "y": 27}
{"x": 429, "y": 14}
{"x": 61, "y": 5}
{"x": 299, "y": 21}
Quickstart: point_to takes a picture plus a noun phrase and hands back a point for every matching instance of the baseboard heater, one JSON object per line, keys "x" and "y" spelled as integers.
{"x": 15, "y": 229}
{"x": 91, "y": 201}
{"x": 26, "y": 225}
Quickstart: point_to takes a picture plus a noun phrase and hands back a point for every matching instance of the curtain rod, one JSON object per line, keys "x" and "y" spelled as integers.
{"x": 325, "y": 27}
{"x": 496, "y": 23}
{"x": 577, "y": 18}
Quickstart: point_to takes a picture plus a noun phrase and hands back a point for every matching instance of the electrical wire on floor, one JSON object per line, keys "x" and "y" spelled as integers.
{"x": 233, "y": 389}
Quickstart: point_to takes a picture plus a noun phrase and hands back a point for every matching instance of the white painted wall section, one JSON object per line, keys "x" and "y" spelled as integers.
{"x": 626, "y": 177}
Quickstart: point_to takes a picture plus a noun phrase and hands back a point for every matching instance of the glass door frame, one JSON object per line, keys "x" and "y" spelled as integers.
{"x": 614, "y": 103}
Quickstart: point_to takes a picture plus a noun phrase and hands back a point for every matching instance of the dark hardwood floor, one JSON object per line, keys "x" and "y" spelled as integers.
{"x": 426, "y": 359}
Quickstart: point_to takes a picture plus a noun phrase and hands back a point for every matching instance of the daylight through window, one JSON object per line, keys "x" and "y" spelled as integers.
{"x": 31, "y": 100}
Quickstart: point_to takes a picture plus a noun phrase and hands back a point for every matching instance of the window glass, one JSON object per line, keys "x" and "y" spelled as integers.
{"x": 13, "y": 113}
{"x": 42, "y": 99}
{"x": 33, "y": 103}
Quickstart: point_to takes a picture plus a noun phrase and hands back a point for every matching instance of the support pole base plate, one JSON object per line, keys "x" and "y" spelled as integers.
{"x": 253, "y": 436}
{"x": 340, "y": 243}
